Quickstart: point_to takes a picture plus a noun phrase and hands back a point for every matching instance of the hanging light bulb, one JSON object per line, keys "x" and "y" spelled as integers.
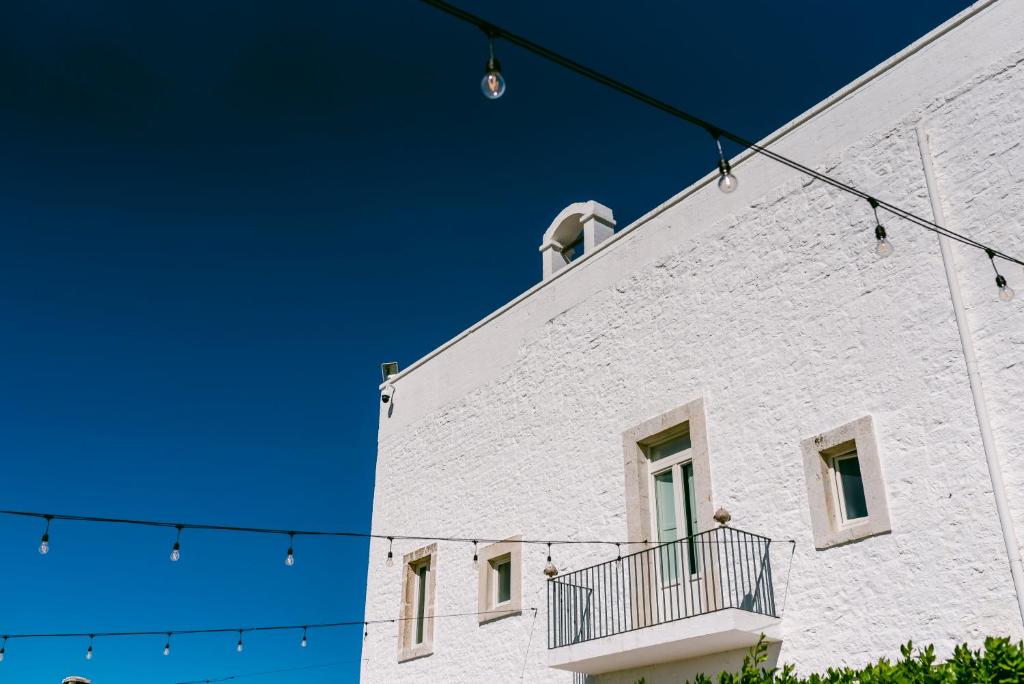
{"x": 1006, "y": 292}
{"x": 176, "y": 550}
{"x": 493, "y": 83}
{"x": 883, "y": 247}
{"x": 240, "y": 647}
{"x": 167, "y": 646}
{"x": 727, "y": 182}
{"x": 44, "y": 541}
{"x": 304, "y": 641}
{"x": 88, "y": 653}
{"x": 366, "y": 630}
{"x": 3, "y": 648}
{"x": 550, "y": 570}
{"x": 391, "y": 557}
{"x": 476, "y": 559}
{"x": 289, "y": 559}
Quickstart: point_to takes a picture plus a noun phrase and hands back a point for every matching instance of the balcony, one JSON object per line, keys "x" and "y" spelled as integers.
{"x": 708, "y": 593}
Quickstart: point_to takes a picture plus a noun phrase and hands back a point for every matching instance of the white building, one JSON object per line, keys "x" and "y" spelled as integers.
{"x": 754, "y": 348}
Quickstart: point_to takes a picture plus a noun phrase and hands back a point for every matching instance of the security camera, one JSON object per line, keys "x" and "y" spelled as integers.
{"x": 386, "y": 395}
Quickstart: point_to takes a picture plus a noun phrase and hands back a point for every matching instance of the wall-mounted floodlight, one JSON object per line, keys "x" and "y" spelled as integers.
{"x": 388, "y": 369}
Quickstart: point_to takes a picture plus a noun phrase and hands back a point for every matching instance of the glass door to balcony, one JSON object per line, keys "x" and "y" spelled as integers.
{"x": 674, "y": 516}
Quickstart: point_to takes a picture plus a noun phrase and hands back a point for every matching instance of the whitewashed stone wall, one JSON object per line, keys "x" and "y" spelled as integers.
{"x": 771, "y": 305}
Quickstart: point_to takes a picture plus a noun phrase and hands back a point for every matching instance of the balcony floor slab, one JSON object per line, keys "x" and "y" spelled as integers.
{"x": 717, "y": 632}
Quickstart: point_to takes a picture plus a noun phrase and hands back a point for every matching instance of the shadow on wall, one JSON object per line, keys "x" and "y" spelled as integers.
{"x": 681, "y": 672}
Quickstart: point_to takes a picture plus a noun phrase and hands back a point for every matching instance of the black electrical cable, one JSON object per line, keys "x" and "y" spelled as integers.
{"x": 238, "y": 630}
{"x": 178, "y": 526}
{"x": 495, "y": 31}
{"x": 282, "y": 670}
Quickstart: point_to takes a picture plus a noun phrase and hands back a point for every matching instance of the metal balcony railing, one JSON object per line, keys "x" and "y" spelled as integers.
{"x": 711, "y": 571}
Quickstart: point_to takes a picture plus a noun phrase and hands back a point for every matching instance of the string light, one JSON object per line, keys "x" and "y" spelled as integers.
{"x": 44, "y": 541}
{"x": 240, "y": 647}
{"x": 1006, "y": 292}
{"x": 88, "y": 653}
{"x": 493, "y": 83}
{"x": 167, "y": 646}
{"x": 550, "y": 570}
{"x": 883, "y": 248}
{"x": 176, "y": 550}
{"x": 3, "y": 648}
{"x": 289, "y": 559}
{"x": 295, "y": 533}
{"x": 305, "y": 641}
{"x": 476, "y": 559}
{"x": 727, "y": 182}
{"x": 366, "y": 630}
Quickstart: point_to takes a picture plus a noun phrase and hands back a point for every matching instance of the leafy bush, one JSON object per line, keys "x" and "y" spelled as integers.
{"x": 1000, "y": 662}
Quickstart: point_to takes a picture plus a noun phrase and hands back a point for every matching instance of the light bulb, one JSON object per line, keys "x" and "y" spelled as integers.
{"x": 2, "y": 649}
{"x": 727, "y": 182}
{"x": 289, "y": 560}
{"x": 493, "y": 83}
{"x": 88, "y": 654}
{"x": 304, "y": 642}
{"x": 44, "y": 545}
{"x": 176, "y": 552}
{"x": 883, "y": 248}
{"x": 1006, "y": 292}
{"x": 240, "y": 647}
{"x": 167, "y": 649}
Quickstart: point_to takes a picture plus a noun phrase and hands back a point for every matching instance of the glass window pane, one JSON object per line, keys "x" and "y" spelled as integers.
{"x": 669, "y": 448}
{"x": 421, "y": 600}
{"x": 504, "y": 571}
{"x": 848, "y": 469}
{"x": 665, "y": 506}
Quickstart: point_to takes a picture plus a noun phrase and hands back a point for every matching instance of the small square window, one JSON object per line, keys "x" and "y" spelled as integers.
{"x": 845, "y": 487}
{"x": 500, "y": 581}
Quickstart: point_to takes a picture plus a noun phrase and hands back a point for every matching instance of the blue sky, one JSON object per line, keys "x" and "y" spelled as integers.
{"x": 217, "y": 219}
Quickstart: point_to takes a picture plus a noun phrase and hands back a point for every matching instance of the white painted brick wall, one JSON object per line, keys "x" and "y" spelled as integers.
{"x": 771, "y": 305}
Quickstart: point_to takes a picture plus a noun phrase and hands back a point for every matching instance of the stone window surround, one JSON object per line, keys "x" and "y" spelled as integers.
{"x": 513, "y": 549}
{"x": 826, "y": 519}
{"x": 407, "y": 650}
{"x": 690, "y": 418}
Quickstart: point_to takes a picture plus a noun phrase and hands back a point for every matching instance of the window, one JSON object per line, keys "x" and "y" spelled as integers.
{"x": 503, "y": 581}
{"x": 500, "y": 580}
{"x": 845, "y": 487}
{"x": 421, "y": 599}
{"x": 668, "y": 484}
{"x": 675, "y": 515}
{"x": 849, "y": 487}
{"x": 416, "y": 631}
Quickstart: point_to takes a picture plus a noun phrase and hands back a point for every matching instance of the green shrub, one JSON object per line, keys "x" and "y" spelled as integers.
{"x": 1000, "y": 662}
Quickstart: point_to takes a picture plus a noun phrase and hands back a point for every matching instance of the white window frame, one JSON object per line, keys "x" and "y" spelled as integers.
{"x": 496, "y": 580}
{"x": 674, "y": 463}
{"x": 844, "y": 521}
